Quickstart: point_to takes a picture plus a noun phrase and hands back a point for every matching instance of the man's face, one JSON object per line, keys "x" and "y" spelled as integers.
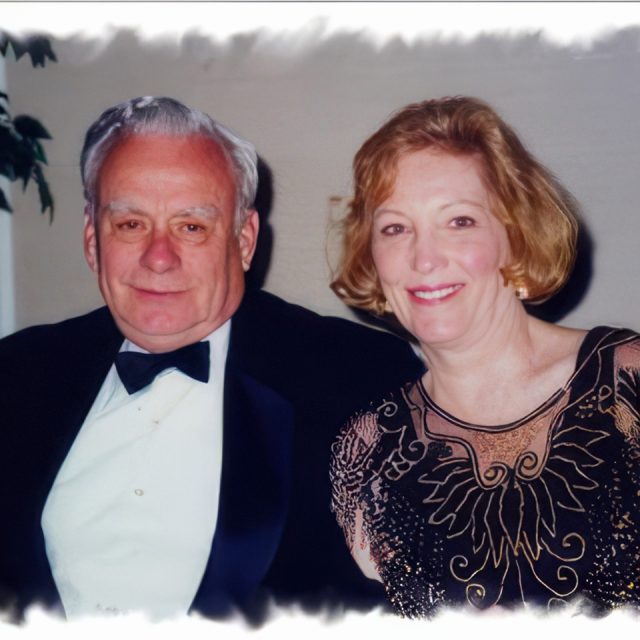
{"x": 169, "y": 261}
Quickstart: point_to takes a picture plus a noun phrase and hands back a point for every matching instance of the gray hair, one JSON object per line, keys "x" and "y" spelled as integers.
{"x": 166, "y": 116}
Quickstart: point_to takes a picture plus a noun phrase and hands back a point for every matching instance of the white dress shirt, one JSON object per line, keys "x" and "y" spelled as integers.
{"x": 129, "y": 521}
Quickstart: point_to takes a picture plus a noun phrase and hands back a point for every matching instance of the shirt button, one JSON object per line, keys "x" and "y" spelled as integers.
{"x": 139, "y": 492}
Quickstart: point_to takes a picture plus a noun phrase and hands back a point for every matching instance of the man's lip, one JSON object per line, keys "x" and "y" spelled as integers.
{"x": 153, "y": 292}
{"x": 437, "y": 294}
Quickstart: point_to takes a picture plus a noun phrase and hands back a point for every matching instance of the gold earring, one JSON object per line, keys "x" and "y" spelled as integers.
{"x": 383, "y": 306}
{"x": 522, "y": 293}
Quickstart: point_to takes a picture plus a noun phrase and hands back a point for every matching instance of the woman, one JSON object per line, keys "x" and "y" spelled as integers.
{"x": 510, "y": 472}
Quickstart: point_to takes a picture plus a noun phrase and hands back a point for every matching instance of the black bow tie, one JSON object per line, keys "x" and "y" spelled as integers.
{"x": 137, "y": 370}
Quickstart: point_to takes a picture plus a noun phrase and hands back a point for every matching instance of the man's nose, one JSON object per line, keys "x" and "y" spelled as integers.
{"x": 160, "y": 254}
{"x": 428, "y": 252}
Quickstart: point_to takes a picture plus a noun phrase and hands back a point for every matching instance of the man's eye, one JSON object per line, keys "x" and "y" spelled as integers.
{"x": 392, "y": 229}
{"x": 463, "y": 222}
{"x": 191, "y": 231}
{"x": 129, "y": 225}
{"x": 193, "y": 228}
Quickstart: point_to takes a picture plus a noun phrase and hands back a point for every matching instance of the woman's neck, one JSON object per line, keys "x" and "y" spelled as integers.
{"x": 500, "y": 372}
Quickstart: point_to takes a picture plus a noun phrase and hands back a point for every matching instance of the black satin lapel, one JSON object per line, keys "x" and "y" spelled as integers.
{"x": 254, "y": 493}
{"x": 74, "y": 394}
{"x": 66, "y": 387}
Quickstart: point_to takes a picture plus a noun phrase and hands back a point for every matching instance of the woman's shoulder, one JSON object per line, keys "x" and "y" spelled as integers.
{"x": 606, "y": 335}
{"x": 384, "y": 408}
{"x": 620, "y": 348}
{"x": 591, "y": 349}
{"x": 610, "y": 364}
{"x": 620, "y": 344}
{"x": 360, "y": 438}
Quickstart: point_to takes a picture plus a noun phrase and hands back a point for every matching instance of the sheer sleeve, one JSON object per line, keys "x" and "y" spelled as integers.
{"x": 351, "y": 473}
{"x": 620, "y": 546}
{"x": 626, "y": 406}
{"x": 382, "y": 525}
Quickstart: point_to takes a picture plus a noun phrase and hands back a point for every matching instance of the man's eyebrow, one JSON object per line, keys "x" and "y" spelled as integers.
{"x": 118, "y": 206}
{"x": 204, "y": 211}
{"x": 122, "y": 206}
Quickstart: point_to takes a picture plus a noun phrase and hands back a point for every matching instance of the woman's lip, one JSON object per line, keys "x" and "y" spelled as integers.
{"x": 434, "y": 295}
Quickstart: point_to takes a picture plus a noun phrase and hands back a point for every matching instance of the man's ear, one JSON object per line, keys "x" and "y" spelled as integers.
{"x": 90, "y": 241}
{"x": 248, "y": 238}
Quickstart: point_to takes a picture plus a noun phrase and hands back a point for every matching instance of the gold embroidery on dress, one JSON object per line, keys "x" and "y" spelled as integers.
{"x": 625, "y": 412}
{"x": 549, "y": 505}
{"x": 507, "y": 497}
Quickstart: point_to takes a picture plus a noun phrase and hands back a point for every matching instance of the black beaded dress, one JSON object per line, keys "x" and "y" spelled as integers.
{"x": 535, "y": 512}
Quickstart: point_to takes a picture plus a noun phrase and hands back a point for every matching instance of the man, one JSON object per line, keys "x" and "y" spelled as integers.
{"x": 137, "y": 472}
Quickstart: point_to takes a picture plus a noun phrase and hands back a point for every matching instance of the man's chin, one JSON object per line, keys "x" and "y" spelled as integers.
{"x": 160, "y": 334}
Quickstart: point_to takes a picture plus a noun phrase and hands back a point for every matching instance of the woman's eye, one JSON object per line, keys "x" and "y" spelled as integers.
{"x": 462, "y": 222}
{"x": 392, "y": 229}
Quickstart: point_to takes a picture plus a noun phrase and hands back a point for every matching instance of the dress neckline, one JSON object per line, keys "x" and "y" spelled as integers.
{"x": 587, "y": 346}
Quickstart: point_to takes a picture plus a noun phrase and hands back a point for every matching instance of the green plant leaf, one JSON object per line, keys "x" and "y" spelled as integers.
{"x": 7, "y": 155}
{"x": 38, "y": 150}
{"x": 4, "y": 43}
{"x": 7, "y": 139}
{"x": 39, "y": 48}
{"x": 46, "y": 199}
{"x": 22, "y": 158}
{"x": 6, "y": 169}
{"x": 19, "y": 48}
{"x": 4, "y": 203}
{"x": 22, "y": 155}
{"x": 30, "y": 127}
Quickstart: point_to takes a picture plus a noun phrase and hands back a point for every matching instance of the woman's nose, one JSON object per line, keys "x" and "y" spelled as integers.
{"x": 427, "y": 252}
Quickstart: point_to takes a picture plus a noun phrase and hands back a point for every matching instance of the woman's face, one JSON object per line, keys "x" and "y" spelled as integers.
{"x": 438, "y": 249}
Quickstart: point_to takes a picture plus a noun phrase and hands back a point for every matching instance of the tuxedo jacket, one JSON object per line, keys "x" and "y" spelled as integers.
{"x": 292, "y": 378}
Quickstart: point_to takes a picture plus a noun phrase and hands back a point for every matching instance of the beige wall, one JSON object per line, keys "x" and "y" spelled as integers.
{"x": 308, "y": 111}
{"x": 7, "y": 298}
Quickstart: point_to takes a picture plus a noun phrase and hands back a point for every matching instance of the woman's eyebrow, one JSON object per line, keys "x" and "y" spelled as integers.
{"x": 465, "y": 201}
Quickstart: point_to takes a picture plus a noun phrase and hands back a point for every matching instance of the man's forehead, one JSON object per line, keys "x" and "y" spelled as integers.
{"x": 148, "y": 144}
{"x": 138, "y": 158}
